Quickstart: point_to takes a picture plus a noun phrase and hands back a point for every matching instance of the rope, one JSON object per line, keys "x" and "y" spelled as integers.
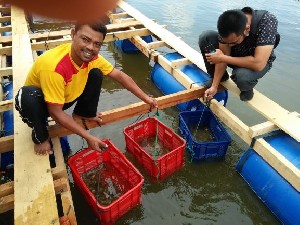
{"x": 191, "y": 149}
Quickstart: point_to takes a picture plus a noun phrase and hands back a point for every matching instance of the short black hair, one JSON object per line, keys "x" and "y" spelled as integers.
{"x": 232, "y": 21}
{"x": 97, "y": 25}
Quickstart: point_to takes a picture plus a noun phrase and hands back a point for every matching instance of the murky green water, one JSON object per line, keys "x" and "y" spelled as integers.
{"x": 206, "y": 192}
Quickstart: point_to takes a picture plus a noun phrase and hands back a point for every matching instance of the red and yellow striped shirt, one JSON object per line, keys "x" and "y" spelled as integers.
{"x": 60, "y": 79}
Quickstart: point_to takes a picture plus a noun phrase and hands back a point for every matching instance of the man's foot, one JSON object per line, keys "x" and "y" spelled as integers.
{"x": 246, "y": 95}
{"x": 81, "y": 119}
{"x": 43, "y": 149}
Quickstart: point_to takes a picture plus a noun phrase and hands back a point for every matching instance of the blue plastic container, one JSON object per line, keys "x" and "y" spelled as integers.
{"x": 9, "y": 57}
{"x": 215, "y": 149}
{"x": 127, "y": 45}
{"x": 169, "y": 85}
{"x": 7, "y": 158}
{"x": 275, "y": 192}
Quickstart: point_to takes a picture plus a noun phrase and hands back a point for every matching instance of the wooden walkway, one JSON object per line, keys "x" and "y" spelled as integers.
{"x": 32, "y": 194}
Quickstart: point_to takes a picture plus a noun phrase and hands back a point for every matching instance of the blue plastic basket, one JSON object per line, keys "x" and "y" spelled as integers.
{"x": 215, "y": 149}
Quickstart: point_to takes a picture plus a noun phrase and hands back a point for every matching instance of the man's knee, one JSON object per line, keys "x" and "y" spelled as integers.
{"x": 208, "y": 37}
{"x": 28, "y": 96}
{"x": 30, "y": 103}
{"x": 244, "y": 79}
{"x": 95, "y": 75}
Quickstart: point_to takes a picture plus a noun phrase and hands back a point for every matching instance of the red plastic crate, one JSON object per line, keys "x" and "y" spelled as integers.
{"x": 88, "y": 159}
{"x": 161, "y": 167}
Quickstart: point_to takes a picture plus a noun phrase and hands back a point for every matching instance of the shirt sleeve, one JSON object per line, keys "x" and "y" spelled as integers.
{"x": 267, "y": 30}
{"x": 53, "y": 87}
{"x": 105, "y": 66}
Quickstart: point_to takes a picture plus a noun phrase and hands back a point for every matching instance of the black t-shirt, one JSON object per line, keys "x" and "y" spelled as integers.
{"x": 262, "y": 32}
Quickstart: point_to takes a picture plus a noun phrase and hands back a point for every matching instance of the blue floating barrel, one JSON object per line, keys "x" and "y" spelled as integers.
{"x": 7, "y": 158}
{"x": 9, "y": 57}
{"x": 169, "y": 85}
{"x": 127, "y": 45}
{"x": 277, "y": 194}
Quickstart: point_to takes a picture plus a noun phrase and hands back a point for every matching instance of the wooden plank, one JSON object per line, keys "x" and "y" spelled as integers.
{"x": 119, "y": 35}
{"x": 6, "y": 105}
{"x": 135, "y": 109}
{"x": 5, "y": 29}
{"x": 61, "y": 186}
{"x": 7, "y": 71}
{"x": 7, "y": 188}
{"x": 35, "y": 201}
{"x": 262, "y": 128}
{"x": 6, "y": 203}
{"x": 156, "y": 44}
{"x": 5, "y": 10}
{"x": 115, "y": 16}
{"x": 5, "y": 40}
{"x": 6, "y": 143}
{"x": 231, "y": 120}
{"x": 180, "y": 62}
{"x": 66, "y": 197}
{"x": 291, "y": 123}
{"x": 6, "y": 50}
{"x": 5, "y": 19}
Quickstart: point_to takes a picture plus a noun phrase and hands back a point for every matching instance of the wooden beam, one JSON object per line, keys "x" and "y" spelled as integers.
{"x": 156, "y": 44}
{"x": 5, "y": 10}
{"x": 66, "y": 197}
{"x": 287, "y": 121}
{"x": 6, "y": 105}
{"x": 34, "y": 196}
{"x": 7, "y": 201}
{"x": 4, "y": 19}
{"x": 7, "y": 71}
{"x": 134, "y": 110}
{"x": 118, "y": 35}
{"x": 5, "y": 29}
{"x": 6, "y": 189}
{"x": 6, "y": 143}
{"x": 232, "y": 121}
{"x": 180, "y": 62}
{"x": 114, "y": 16}
{"x": 262, "y": 128}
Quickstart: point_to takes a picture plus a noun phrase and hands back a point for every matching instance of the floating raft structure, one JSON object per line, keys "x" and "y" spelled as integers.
{"x": 32, "y": 194}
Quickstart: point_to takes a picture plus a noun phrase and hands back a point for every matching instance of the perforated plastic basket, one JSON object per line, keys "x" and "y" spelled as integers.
{"x": 157, "y": 167}
{"x": 86, "y": 160}
{"x": 215, "y": 149}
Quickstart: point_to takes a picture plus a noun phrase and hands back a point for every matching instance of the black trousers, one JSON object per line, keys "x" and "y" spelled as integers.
{"x": 244, "y": 78}
{"x": 32, "y": 107}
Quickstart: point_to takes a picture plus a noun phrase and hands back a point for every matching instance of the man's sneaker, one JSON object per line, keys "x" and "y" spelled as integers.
{"x": 246, "y": 95}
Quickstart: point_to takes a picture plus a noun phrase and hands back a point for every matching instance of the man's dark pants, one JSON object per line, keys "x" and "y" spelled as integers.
{"x": 31, "y": 105}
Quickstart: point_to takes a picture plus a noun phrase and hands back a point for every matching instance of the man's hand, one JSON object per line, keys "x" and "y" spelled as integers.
{"x": 209, "y": 93}
{"x": 152, "y": 102}
{"x": 214, "y": 58}
{"x": 95, "y": 143}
